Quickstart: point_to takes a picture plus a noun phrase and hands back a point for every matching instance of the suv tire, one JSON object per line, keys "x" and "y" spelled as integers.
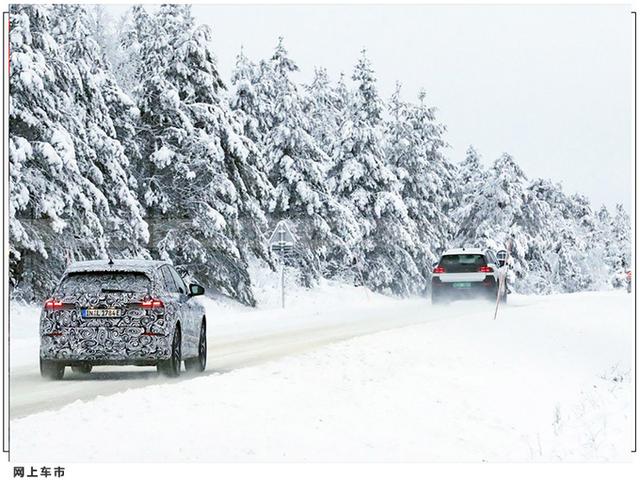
{"x": 171, "y": 366}
{"x": 436, "y": 299}
{"x": 51, "y": 370}
{"x": 199, "y": 363}
{"x": 83, "y": 369}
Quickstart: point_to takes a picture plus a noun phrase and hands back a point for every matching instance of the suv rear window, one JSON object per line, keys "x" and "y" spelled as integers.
{"x": 106, "y": 281}
{"x": 462, "y": 262}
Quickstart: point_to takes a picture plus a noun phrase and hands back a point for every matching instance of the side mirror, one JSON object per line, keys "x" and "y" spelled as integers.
{"x": 195, "y": 289}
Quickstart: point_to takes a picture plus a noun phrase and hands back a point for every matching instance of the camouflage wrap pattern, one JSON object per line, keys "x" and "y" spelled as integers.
{"x": 117, "y": 338}
{"x": 122, "y": 339}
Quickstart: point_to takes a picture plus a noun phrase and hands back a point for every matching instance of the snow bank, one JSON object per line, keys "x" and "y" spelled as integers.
{"x": 24, "y": 325}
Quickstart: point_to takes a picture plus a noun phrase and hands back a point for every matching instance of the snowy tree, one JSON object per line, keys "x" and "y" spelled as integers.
{"x": 103, "y": 30}
{"x": 565, "y": 245}
{"x": 323, "y": 105}
{"x": 71, "y": 193}
{"x": 362, "y": 180}
{"x": 134, "y": 27}
{"x": 110, "y": 116}
{"x": 200, "y": 183}
{"x": 250, "y": 98}
{"x": 603, "y": 228}
{"x": 124, "y": 141}
{"x": 572, "y": 246}
{"x": 591, "y": 272}
{"x": 615, "y": 238}
{"x": 414, "y": 142}
{"x": 295, "y": 166}
{"x": 472, "y": 174}
{"x": 621, "y": 229}
{"x": 539, "y": 219}
{"x": 492, "y": 215}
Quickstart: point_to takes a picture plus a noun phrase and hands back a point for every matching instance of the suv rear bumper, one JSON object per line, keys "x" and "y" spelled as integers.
{"x": 449, "y": 290}
{"x": 105, "y": 346}
{"x": 136, "y": 362}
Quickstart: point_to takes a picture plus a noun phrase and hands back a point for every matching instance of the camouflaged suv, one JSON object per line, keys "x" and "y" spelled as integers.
{"x": 122, "y": 312}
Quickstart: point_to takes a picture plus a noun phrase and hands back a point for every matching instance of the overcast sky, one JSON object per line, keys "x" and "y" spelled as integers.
{"x": 551, "y": 85}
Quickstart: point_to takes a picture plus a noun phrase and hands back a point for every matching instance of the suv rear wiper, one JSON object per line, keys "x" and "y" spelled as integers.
{"x": 117, "y": 290}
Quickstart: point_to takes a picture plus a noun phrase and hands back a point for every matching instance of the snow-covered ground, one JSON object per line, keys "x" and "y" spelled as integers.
{"x": 549, "y": 380}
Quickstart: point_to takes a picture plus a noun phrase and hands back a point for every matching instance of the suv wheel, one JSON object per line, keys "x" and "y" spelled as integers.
{"x": 199, "y": 363}
{"x": 171, "y": 366}
{"x": 436, "y": 298}
{"x": 83, "y": 369}
{"x": 51, "y": 370}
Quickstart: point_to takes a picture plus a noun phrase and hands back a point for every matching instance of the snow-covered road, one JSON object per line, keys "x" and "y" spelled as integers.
{"x": 550, "y": 379}
{"x": 237, "y": 337}
{"x": 227, "y": 352}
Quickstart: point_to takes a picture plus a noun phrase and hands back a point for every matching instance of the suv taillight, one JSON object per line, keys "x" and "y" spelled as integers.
{"x": 485, "y": 269}
{"x": 53, "y": 304}
{"x": 152, "y": 303}
{"x": 438, "y": 269}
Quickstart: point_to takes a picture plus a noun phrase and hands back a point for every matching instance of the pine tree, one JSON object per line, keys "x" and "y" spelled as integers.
{"x": 472, "y": 172}
{"x": 249, "y": 100}
{"x": 563, "y": 238}
{"x": 201, "y": 187}
{"x": 71, "y": 195}
{"x": 129, "y": 68}
{"x": 362, "y": 180}
{"x": 110, "y": 116}
{"x": 295, "y": 165}
{"x": 472, "y": 179}
{"x": 493, "y": 214}
{"x": 323, "y": 104}
{"x": 414, "y": 143}
{"x": 540, "y": 218}
{"x": 621, "y": 240}
{"x": 590, "y": 275}
{"x": 101, "y": 27}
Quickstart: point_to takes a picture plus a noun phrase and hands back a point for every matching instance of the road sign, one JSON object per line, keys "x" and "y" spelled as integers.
{"x": 282, "y": 241}
{"x": 502, "y": 256}
{"x": 281, "y": 237}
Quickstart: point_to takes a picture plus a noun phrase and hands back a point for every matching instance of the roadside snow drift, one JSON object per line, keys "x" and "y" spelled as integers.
{"x": 549, "y": 380}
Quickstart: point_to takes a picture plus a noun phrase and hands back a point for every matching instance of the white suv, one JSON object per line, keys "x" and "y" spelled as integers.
{"x": 465, "y": 273}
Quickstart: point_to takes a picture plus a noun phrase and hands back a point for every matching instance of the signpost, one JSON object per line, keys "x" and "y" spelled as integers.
{"x": 282, "y": 242}
{"x": 503, "y": 258}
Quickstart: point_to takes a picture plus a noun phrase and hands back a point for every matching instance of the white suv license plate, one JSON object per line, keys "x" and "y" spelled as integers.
{"x": 461, "y": 285}
{"x": 101, "y": 312}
